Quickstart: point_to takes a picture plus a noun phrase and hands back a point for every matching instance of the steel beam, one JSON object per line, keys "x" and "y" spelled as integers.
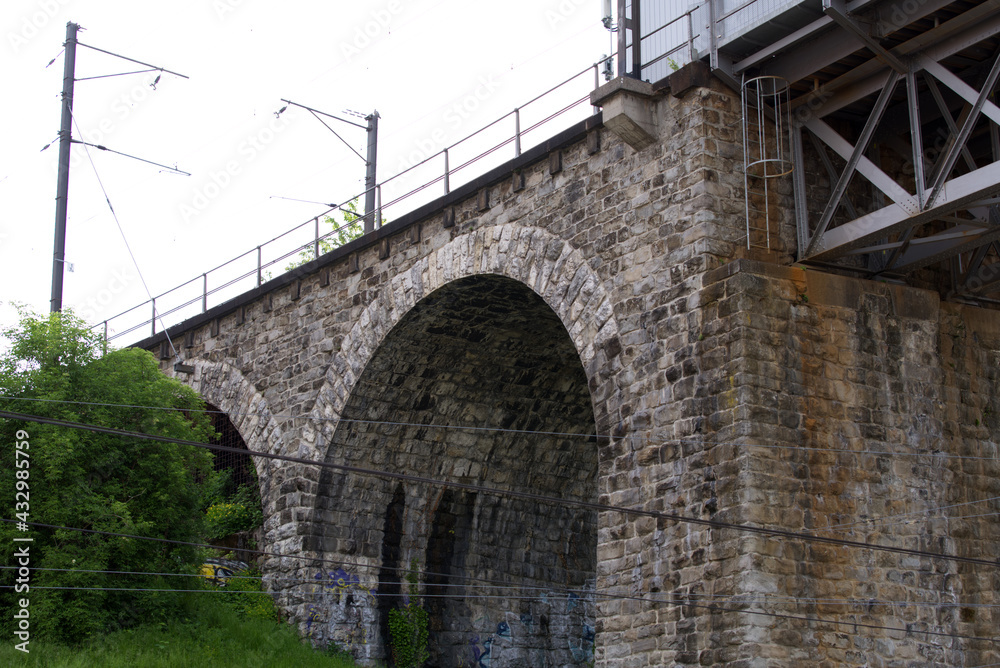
{"x": 972, "y": 27}
{"x": 831, "y": 171}
{"x": 852, "y": 161}
{"x": 916, "y": 133}
{"x": 956, "y": 194}
{"x": 866, "y": 167}
{"x": 806, "y": 34}
{"x": 949, "y": 121}
{"x": 823, "y": 46}
{"x": 837, "y": 10}
{"x": 962, "y": 89}
{"x": 971, "y": 118}
{"x": 942, "y": 246}
{"x": 985, "y": 278}
{"x": 799, "y": 189}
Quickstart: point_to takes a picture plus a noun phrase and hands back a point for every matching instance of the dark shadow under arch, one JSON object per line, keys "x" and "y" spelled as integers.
{"x": 498, "y": 574}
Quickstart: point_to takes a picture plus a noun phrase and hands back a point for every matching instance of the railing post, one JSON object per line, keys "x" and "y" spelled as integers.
{"x": 447, "y": 174}
{"x": 622, "y": 38}
{"x": 204, "y": 292}
{"x": 691, "y": 53}
{"x": 153, "y": 320}
{"x": 378, "y": 205}
{"x": 713, "y": 36}
{"x": 316, "y": 242}
{"x": 258, "y": 267}
{"x": 597, "y": 84}
{"x": 105, "y": 337}
{"x": 517, "y": 132}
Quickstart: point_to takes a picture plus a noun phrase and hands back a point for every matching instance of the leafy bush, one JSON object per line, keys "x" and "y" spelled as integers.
{"x": 251, "y": 603}
{"x": 206, "y": 631}
{"x": 56, "y": 369}
{"x": 224, "y": 519}
{"x": 349, "y": 230}
{"x": 408, "y": 628}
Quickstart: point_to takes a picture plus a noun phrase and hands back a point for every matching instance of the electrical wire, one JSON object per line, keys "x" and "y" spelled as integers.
{"x": 114, "y": 215}
{"x": 530, "y": 432}
{"x": 887, "y": 518}
{"x": 685, "y": 603}
{"x": 837, "y": 527}
{"x": 589, "y": 436}
{"x": 264, "y": 553}
{"x": 739, "y": 599}
{"x": 524, "y": 496}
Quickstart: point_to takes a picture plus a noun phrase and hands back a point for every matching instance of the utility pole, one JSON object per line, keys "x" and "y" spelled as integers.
{"x": 65, "y": 143}
{"x": 62, "y": 184}
{"x": 371, "y": 128}
{"x": 370, "y": 212}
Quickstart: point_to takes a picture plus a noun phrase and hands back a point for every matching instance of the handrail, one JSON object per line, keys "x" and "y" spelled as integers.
{"x": 447, "y": 152}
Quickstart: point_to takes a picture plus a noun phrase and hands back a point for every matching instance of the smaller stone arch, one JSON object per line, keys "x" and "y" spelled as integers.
{"x": 224, "y": 386}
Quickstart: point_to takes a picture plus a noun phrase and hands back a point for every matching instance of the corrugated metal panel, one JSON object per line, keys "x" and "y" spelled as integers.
{"x": 665, "y": 33}
{"x": 738, "y": 17}
{"x": 671, "y": 27}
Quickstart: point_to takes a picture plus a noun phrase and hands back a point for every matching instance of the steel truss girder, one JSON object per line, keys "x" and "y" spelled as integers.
{"x": 972, "y": 27}
{"x": 956, "y": 194}
{"x": 816, "y": 45}
{"x": 984, "y": 277}
{"x": 937, "y": 200}
{"x": 926, "y": 251}
{"x": 837, "y": 10}
{"x": 856, "y": 154}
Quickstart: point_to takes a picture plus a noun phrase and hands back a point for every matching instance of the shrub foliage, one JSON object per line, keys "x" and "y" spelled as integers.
{"x": 55, "y": 367}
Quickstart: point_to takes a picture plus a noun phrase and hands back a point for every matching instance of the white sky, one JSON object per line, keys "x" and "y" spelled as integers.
{"x": 436, "y": 70}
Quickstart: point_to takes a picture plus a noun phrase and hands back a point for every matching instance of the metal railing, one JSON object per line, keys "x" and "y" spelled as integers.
{"x": 666, "y": 48}
{"x": 252, "y": 268}
{"x": 673, "y": 44}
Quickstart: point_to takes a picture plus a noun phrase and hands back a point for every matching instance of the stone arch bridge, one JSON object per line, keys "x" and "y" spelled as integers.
{"x": 587, "y": 324}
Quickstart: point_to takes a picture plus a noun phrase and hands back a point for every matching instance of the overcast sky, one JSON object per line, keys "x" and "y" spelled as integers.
{"x": 436, "y": 71}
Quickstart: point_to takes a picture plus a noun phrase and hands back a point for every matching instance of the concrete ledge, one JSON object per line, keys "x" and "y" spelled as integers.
{"x": 629, "y": 110}
{"x": 835, "y": 290}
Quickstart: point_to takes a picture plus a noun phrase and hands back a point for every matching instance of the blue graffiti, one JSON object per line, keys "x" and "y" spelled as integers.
{"x": 527, "y": 620}
{"x": 588, "y": 633}
{"x": 482, "y": 656}
{"x": 338, "y": 579}
{"x": 313, "y": 616}
{"x": 572, "y": 601}
{"x": 503, "y": 630}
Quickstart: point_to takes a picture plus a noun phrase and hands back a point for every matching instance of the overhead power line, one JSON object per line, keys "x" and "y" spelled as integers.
{"x": 691, "y": 603}
{"x": 534, "y": 432}
{"x": 121, "y": 231}
{"x": 524, "y": 496}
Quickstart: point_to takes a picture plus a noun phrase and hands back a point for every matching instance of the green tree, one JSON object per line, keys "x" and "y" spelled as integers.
{"x": 55, "y": 368}
{"x": 350, "y": 229}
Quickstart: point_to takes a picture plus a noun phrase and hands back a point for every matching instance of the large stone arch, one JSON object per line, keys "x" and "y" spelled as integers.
{"x": 545, "y": 263}
{"x": 545, "y": 274}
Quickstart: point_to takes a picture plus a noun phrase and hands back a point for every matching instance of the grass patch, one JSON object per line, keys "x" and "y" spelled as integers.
{"x": 210, "y": 632}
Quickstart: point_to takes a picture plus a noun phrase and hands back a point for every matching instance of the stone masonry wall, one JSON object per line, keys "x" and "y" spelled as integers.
{"x": 725, "y": 390}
